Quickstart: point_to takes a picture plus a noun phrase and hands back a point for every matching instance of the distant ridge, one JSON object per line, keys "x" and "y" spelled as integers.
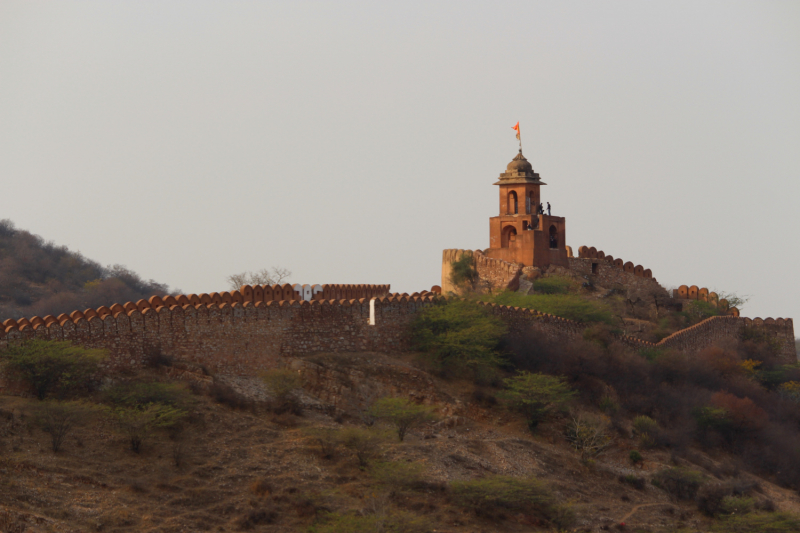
{"x": 38, "y": 277}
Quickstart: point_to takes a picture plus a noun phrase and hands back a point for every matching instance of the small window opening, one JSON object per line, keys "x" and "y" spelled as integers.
{"x": 512, "y": 203}
{"x": 553, "y": 237}
{"x": 594, "y": 268}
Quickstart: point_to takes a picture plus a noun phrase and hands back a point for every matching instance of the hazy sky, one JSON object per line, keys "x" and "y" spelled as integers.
{"x": 353, "y": 142}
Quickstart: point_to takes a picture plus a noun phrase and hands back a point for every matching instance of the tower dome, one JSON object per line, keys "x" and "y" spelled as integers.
{"x": 519, "y": 170}
{"x": 520, "y": 164}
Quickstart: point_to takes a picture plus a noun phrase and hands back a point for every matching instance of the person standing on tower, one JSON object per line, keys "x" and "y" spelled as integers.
{"x": 548, "y": 208}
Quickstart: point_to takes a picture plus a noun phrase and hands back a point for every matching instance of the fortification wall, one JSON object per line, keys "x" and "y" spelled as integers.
{"x": 494, "y": 274}
{"x": 694, "y": 292}
{"x": 239, "y": 338}
{"x": 719, "y": 328}
{"x": 607, "y": 274}
{"x": 246, "y": 294}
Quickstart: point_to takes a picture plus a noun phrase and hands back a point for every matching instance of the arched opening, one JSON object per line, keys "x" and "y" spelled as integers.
{"x": 530, "y": 204}
{"x": 553, "y": 237}
{"x": 512, "y": 203}
{"x": 509, "y": 236}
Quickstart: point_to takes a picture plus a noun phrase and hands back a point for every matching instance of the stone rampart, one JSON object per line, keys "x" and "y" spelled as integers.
{"x": 244, "y": 339}
{"x": 607, "y": 274}
{"x": 495, "y": 275}
{"x": 704, "y": 295}
{"x": 238, "y": 338}
{"x": 246, "y": 294}
{"x": 639, "y": 271}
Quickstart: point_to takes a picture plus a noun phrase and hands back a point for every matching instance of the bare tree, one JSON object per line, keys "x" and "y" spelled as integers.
{"x": 264, "y": 276}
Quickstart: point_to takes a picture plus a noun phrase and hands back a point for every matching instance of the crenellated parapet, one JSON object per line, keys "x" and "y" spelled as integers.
{"x": 585, "y": 252}
{"x": 704, "y": 295}
{"x": 246, "y": 294}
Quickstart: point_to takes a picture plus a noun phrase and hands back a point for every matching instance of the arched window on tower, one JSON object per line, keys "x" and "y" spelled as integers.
{"x": 530, "y": 204}
{"x": 553, "y": 237}
{"x": 508, "y": 237}
{"x": 512, "y": 203}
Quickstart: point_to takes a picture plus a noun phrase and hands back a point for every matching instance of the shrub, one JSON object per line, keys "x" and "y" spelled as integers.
{"x": 736, "y": 505}
{"x": 463, "y": 274}
{"x": 328, "y": 439}
{"x": 283, "y": 384}
{"x": 646, "y": 429}
{"x": 138, "y": 424}
{"x": 137, "y": 394}
{"x": 636, "y": 482}
{"x": 587, "y": 436}
{"x": 365, "y": 443}
{"x": 680, "y": 483}
{"x": 397, "y": 474}
{"x": 758, "y": 523}
{"x": 402, "y": 413}
{"x": 743, "y": 413}
{"x": 52, "y": 367}
{"x": 536, "y": 395}
{"x": 553, "y": 285}
{"x": 635, "y": 457}
{"x": 493, "y": 495}
{"x": 58, "y": 419}
{"x": 459, "y": 336}
{"x": 725, "y": 498}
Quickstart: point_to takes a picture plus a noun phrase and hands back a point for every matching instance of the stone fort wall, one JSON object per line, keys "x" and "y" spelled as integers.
{"x": 246, "y": 338}
{"x": 495, "y": 274}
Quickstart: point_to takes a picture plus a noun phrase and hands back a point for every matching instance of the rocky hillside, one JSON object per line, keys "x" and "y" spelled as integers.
{"x": 241, "y": 461}
{"x": 39, "y": 278}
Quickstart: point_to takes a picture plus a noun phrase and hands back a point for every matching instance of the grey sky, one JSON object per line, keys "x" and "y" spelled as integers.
{"x": 352, "y": 142}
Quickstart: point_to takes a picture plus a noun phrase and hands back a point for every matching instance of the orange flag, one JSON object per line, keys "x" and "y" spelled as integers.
{"x": 516, "y": 128}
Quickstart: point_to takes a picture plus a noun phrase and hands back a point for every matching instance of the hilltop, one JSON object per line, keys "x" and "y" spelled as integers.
{"x": 39, "y": 278}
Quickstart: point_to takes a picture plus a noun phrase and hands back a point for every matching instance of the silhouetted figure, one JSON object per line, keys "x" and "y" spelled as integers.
{"x": 548, "y": 208}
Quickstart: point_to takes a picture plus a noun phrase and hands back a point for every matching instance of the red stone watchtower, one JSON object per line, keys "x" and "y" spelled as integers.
{"x": 519, "y": 234}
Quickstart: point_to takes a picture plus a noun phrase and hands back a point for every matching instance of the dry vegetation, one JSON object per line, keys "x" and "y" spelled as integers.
{"x": 240, "y": 461}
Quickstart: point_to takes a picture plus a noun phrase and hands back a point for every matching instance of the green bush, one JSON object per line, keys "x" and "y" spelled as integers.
{"x": 758, "y": 523}
{"x": 459, "y": 336}
{"x": 737, "y": 505}
{"x": 284, "y": 385}
{"x": 635, "y": 457}
{"x": 553, "y": 285}
{"x": 536, "y": 395}
{"x": 636, "y": 482}
{"x": 493, "y": 496}
{"x": 395, "y": 474}
{"x": 402, "y": 413}
{"x": 571, "y": 306}
{"x": 680, "y": 483}
{"x": 646, "y": 429}
{"x": 138, "y": 424}
{"x": 463, "y": 274}
{"x": 137, "y": 394}
{"x": 364, "y": 442}
{"x": 52, "y": 367}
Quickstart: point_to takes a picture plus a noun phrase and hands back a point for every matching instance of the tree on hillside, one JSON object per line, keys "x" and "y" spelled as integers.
{"x": 402, "y": 413}
{"x": 264, "y": 276}
{"x": 53, "y": 368}
{"x": 459, "y": 336}
{"x": 536, "y": 395}
{"x": 463, "y": 274}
